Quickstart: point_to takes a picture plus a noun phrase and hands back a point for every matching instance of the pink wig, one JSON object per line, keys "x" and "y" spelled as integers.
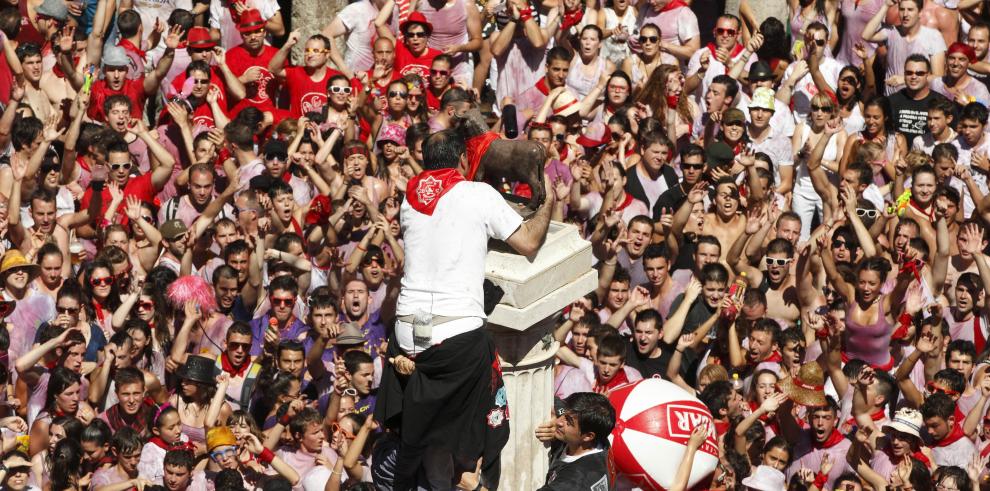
{"x": 193, "y": 288}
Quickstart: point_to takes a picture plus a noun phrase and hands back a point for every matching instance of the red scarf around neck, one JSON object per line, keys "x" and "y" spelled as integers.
{"x": 626, "y": 201}
{"x": 619, "y": 379}
{"x": 674, "y": 4}
{"x": 834, "y": 439}
{"x": 231, "y": 369}
{"x": 129, "y": 46}
{"x": 773, "y": 358}
{"x": 571, "y": 19}
{"x": 927, "y": 214}
{"x": 735, "y": 50}
{"x": 978, "y": 338}
{"x": 476, "y": 148}
{"x": 425, "y": 190}
{"x": 955, "y": 435}
{"x": 877, "y": 415}
{"x": 542, "y": 86}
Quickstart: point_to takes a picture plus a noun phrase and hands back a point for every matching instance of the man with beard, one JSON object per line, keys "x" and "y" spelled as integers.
{"x": 249, "y": 62}
{"x": 950, "y": 446}
{"x": 776, "y": 281}
{"x": 229, "y": 293}
{"x": 692, "y": 164}
{"x": 132, "y": 409}
{"x": 978, "y": 38}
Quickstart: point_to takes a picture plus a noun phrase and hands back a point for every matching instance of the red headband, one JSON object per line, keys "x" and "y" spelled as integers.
{"x": 356, "y": 149}
{"x": 963, "y": 48}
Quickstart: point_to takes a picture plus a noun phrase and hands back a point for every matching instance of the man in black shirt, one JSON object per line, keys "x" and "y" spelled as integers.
{"x": 579, "y": 453}
{"x": 693, "y": 170}
{"x": 909, "y": 106}
{"x": 646, "y": 351}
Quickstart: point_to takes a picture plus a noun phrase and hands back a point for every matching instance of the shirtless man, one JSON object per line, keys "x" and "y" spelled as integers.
{"x": 725, "y": 223}
{"x": 656, "y": 265}
{"x": 776, "y": 281}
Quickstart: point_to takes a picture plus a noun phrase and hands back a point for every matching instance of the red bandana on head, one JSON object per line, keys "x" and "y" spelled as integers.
{"x": 425, "y": 190}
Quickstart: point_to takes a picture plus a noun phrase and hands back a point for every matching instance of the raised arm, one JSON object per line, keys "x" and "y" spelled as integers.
{"x": 675, "y": 323}
{"x": 277, "y": 64}
{"x": 873, "y": 33}
{"x": 154, "y": 79}
{"x": 383, "y": 19}
{"x": 528, "y": 238}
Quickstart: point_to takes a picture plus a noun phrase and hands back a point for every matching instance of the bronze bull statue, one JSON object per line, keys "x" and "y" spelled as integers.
{"x": 493, "y": 158}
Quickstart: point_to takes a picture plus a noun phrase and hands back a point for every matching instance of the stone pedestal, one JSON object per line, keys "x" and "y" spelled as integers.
{"x": 536, "y": 289}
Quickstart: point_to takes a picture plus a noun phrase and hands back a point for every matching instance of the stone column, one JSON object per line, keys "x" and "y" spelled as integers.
{"x": 310, "y": 17}
{"x": 536, "y": 290}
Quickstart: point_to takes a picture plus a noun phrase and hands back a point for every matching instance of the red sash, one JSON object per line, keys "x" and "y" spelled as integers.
{"x": 476, "y": 148}
{"x": 834, "y": 439}
{"x": 955, "y": 435}
{"x": 425, "y": 190}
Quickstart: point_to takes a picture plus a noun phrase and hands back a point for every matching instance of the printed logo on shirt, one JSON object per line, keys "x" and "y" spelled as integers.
{"x": 601, "y": 485}
{"x": 312, "y": 102}
{"x": 262, "y": 84}
{"x": 428, "y": 189}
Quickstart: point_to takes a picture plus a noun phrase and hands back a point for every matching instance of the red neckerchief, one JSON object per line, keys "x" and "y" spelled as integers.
{"x": 543, "y": 87}
{"x": 425, "y": 190}
{"x": 295, "y": 226}
{"x": 98, "y": 307}
{"x": 735, "y": 50}
{"x": 571, "y": 19}
{"x": 129, "y": 46}
{"x": 476, "y": 148}
{"x": 773, "y": 358}
{"x": 765, "y": 418}
{"x": 231, "y": 369}
{"x": 286, "y": 177}
{"x": 955, "y": 435}
{"x": 930, "y": 215}
{"x": 626, "y": 201}
{"x": 57, "y": 70}
{"x": 721, "y": 427}
{"x": 162, "y": 444}
{"x": 675, "y": 4}
{"x": 834, "y": 439}
{"x": 877, "y": 415}
{"x": 619, "y": 379}
{"x": 978, "y": 338}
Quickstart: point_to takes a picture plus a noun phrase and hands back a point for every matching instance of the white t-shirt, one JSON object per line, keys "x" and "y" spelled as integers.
{"x": 928, "y": 42}
{"x": 715, "y": 68}
{"x": 359, "y": 18}
{"x": 806, "y": 89}
{"x": 220, "y": 19}
{"x": 445, "y": 256}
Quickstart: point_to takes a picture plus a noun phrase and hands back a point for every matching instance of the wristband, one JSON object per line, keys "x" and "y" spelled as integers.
{"x": 821, "y": 480}
{"x": 361, "y": 248}
{"x": 526, "y": 14}
{"x": 266, "y": 456}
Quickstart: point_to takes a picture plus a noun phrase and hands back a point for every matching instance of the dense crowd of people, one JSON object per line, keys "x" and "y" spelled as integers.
{"x": 222, "y": 269}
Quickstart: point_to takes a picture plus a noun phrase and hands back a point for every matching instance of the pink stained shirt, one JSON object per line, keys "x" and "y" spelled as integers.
{"x": 805, "y": 455}
{"x": 303, "y": 461}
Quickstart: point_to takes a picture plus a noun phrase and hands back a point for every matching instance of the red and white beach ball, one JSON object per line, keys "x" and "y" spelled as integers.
{"x": 654, "y": 419}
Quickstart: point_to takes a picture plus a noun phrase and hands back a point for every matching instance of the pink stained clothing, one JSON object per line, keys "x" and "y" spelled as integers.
{"x": 529, "y": 101}
{"x": 28, "y": 315}
{"x": 966, "y": 329}
{"x": 139, "y": 152}
{"x": 152, "y": 463}
{"x": 569, "y": 381}
{"x": 967, "y": 403}
{"x": 179, "y": 207}
{"x": 855, "y": 17}
{"x": 450, "y": 29}
{"x": 798, "y": 24}
{"x": 358, "y": 18}
{"x": 882, "y": 464}
{"x": 250, "y": 170}
{"x": 677, "y": 26}
{"x": 927, "y": 42}
{"x": 302, "y": 190}
{"x": 715, "y": 68}
{"x": 958, "y": 453}
{"x": 974, "y": 89}
{"x": 806, "y": 455}
{"x": 303, "y": 461}
{"x": 587, "y": 367}
{"x": 869, "y": 343}
{"x": 213, "y": 340}
{"x": 519, "y": 69}
{"x": 107, "y": 476}
{"x": 36, "y": 399}
{"x": 581, "y": 82}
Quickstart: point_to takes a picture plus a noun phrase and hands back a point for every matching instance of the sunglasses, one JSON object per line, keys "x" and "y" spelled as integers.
{"x": 725, "y": 32}
{"x": 335, "y": 427}
{"x": 918, "y": 73}
{"x": 201, "y": 81}
{"x": 227, "y": 452}
{"x": 649, "y": 39}
{"x": 772, "y": 261}
{"x": 824, "y": 109}
{"x": 692, "y": 166}
{"x": 310, "y": 51}
{"x": 849, "y": 80}
{"x": 48, "y": 169}
{"x": 439, "y": 73}
{"x": 733, "y": 123}
{"x": 273, "y": 157}
{"x": 399, "y": 94}
{"x": 238, "y": 346}
{"x": 283, "y": 302}
{"x": 146, "y": 305}
{"x": 368, "y": 261}
{"x": 819, "y": 42}
{"x": 105, "y": 281}
{"x": 67, "y": 310}
{"x": 862, "y": 212}
{"x": 340, "y": 90}
{"x": 416, "y": 34}
{"x": 125, "y": 166}
{"x": 839, "y": 243}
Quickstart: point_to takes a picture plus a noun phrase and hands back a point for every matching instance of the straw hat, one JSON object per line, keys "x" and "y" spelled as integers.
{"x": 14, "y": 259}
{"x": 807, "y": 387}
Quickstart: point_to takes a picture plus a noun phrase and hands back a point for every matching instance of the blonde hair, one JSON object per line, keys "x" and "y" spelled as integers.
{"x": 714, "y": 373}
{"x": 917, "y": 158}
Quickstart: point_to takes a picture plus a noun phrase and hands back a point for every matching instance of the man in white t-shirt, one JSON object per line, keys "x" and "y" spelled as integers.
{"x": 724, "y": 53}
{"x": 447, "y": 361}
{"x": 910, "y": 37}
{"x": 357, "y": 20}
{"x": 804, "y": 78}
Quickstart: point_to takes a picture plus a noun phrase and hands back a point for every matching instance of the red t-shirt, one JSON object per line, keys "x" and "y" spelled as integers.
{"x": 305, "y": 95}
{"x": 28, "y": 33}
{"x": 261, "y": 93}
{"x": 406, "y": 62}
{"x": 133, "y": 89}
{"x": 216, "y": 80}
{"x": 139, "y": 187}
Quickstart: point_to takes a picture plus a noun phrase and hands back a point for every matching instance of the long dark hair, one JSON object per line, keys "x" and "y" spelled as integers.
{"x": 60, "y": 379}
{"x": 66, "y": 459}
{"x": 113, "y": 299}
{"x": 147, "y": 352}
{"x": 860, "y": 83}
